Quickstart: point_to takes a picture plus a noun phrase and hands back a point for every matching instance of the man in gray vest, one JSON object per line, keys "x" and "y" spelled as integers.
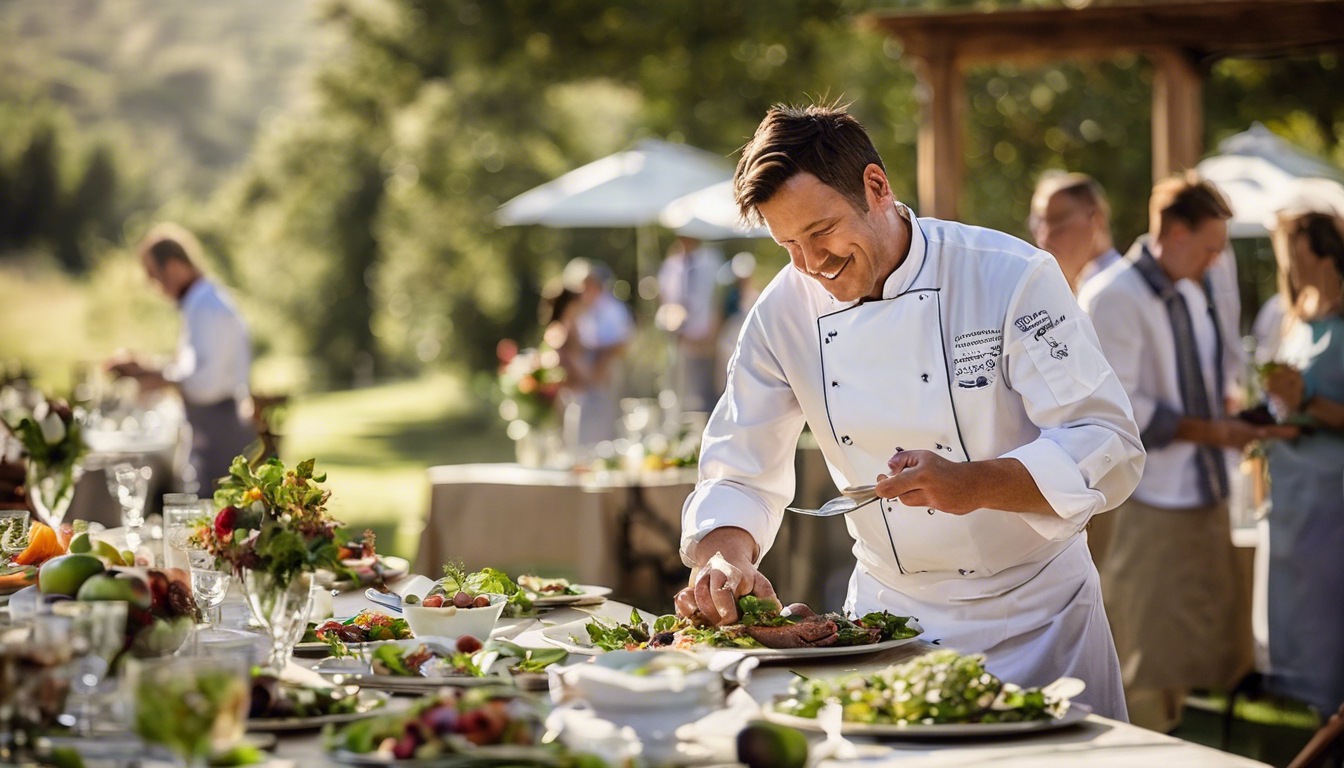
{"x": 214, "y": 354}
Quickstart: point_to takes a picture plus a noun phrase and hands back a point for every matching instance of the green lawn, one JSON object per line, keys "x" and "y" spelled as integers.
{"x": 376, "y": 443}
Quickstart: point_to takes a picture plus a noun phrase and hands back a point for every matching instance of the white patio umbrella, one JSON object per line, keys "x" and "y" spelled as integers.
{"x": 1262, "y": 174}
{"x": 627, "y": 189}
{"x": 709, "y": 214}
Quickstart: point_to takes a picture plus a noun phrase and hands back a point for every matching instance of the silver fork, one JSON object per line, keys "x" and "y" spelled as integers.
{"x": 850, "y": 499}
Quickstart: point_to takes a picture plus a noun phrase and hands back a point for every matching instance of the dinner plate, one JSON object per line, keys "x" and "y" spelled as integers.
{"x": 563, "y": 636}
{"x": 397, "y": 568}
{"x": 416, "y": 684}
{"x": 371, "y": 703}
{"x": 496, "y": 755}
{"x": 322, "y": 649}
{"x": 1076, "y": 714}
{"x": 589, "y": 592}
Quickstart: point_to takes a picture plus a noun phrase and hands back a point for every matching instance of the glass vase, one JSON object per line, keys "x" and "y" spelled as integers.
{"x": 50, "y": 489}
{"x": 281, "y": 608}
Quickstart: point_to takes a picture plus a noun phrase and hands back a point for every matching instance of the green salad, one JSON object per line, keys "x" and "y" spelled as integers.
{"x": 942, "y": 687}
{"x": 754, "y": 613}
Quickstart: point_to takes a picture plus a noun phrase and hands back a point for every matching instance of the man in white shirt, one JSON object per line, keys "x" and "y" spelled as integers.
{"x": 1169, "y": 576}
{"x": 605, "y": 329}
{"x": 950, "y": 365}
{"x": 1071, "y": 218}
{"x": 687, "y": 282}
{"x": 214, "y": 355}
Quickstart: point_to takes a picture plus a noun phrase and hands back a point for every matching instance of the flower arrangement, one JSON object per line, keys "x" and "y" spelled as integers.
{"x": 50, "y": 430}
{"x": 529, "y": 381}
{"x": 273, "y": 520}
{"x": 52, "y": 434}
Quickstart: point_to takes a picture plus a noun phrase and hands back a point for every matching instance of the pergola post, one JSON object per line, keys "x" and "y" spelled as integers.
{"x": 1178, "y": 112}
{"x": 939, "y": 159}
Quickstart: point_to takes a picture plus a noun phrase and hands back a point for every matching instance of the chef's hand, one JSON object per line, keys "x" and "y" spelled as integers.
{"x": 724, "y": 572}
{"x": 925, "y": 479}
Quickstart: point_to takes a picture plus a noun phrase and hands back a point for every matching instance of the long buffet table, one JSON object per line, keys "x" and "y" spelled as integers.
{"x": 1096, "y": 742}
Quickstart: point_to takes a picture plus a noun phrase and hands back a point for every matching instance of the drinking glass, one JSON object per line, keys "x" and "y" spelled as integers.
{"x": 33, "y": 681}
{"x": 99, "y": 633}
{"x": 193, "y": 706}
{"x": 128, "y": 482}
{"x": 209, "y": 586}
{"x": 14, "y": 525}
{"x": 181, "y": 511}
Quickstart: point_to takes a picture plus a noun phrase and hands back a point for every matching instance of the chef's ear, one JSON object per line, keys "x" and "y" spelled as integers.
{"x": 876, "y": 188}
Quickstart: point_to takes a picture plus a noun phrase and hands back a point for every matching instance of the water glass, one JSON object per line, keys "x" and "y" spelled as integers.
{"x": 14, "y": 525}
{"x": 98, "y": 634}
{"x": 194, "y": 706}
{"x": 181, "y": 513}
{"x": 128, "y": 482}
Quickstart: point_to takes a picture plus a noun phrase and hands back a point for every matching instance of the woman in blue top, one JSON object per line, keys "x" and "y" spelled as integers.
{"x": 1306, "y": 524}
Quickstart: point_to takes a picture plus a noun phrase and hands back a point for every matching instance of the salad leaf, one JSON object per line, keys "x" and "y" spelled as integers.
{"x": 755, "y": 612}
{"x": 393, "y": 657}
{"x": 666, "y": 623}
{"x": 893, "y": 627}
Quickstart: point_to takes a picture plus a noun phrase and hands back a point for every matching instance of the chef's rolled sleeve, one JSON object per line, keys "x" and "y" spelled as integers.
{"x": 1089, "y": 457}
{"x": 746, "y": 457}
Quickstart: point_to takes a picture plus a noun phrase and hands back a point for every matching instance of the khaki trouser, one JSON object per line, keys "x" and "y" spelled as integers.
{"x": 1173, "y": 595}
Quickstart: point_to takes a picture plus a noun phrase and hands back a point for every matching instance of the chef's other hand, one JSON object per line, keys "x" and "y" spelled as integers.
{"x": 729, "y": 573}
{"x": 925, "y": 479}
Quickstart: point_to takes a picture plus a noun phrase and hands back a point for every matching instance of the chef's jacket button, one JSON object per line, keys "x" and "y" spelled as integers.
{"x": 1107, "y": 457}
{"x": 835, "y": 383}
{"x": 924, "y": 376}
{"x": 845, "y": 439}
{"x": 962, "y": 571}
{"x": 930, "y": 511}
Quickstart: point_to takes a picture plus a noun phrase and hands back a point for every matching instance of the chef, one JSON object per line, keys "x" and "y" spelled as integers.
{"x": 950, "y": 365}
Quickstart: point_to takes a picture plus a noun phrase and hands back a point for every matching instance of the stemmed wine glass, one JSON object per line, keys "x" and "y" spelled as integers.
{"x": 128, "y": 483}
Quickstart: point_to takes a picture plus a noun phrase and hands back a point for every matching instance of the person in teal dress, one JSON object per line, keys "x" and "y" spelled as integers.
{"x": 1306, "y": 523}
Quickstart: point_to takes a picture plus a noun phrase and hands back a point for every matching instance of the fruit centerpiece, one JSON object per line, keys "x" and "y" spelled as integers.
{"x": 273, "y": 532}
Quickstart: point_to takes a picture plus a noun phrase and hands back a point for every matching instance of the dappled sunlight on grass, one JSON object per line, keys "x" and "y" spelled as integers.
{"x": 376, "y": 443}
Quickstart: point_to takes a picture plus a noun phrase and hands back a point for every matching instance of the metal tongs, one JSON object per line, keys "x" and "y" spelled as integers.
{"x": 849, "y": 500}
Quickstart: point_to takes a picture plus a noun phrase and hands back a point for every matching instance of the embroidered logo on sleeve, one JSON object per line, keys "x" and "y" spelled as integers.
{"x": 1039, "y": 325}
{"x": 977, "y": 357}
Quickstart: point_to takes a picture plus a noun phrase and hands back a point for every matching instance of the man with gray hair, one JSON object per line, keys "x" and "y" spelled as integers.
{"x": 1071, "y": 219}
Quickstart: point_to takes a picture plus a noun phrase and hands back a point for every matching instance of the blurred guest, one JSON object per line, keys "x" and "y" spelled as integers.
{"x": 604, "y": 329}
{"x": 1169, "y": 578}
{"x": 559, "y": 315}
{"x": 686, "y": 287}
{"x": 1071, "y": 219}
{"x": 1268, "y": 328}
{"x": 214, "y": 355}
{"x": 1306, "y": 521}
{"x": 737, "y": 302}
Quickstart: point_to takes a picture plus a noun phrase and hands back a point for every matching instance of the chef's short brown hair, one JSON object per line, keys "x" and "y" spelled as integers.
{"x": 170, "y": 242}
{"x": 1186, "y": 198}
{"x": 821, "y": 139}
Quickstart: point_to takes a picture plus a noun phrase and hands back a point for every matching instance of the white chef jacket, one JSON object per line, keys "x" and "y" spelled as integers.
{"x": 214, "y": 352}
{"x": 1135, "y": 331}
{"x": 994, "y": 359}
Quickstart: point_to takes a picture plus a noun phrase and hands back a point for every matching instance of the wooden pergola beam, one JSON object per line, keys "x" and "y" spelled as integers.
{"x": 1206, "y": 28}
{"x": 1181, "y": 38}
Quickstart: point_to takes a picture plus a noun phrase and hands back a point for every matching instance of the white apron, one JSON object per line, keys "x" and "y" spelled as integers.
{"x": 1035, "y": 622}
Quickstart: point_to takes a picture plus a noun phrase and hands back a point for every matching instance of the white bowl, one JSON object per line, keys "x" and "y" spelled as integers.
{"x": 611, "y": 682}
{"x": 451, "y": 621}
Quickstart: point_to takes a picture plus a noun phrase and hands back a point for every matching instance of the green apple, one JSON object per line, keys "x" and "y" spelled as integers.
{"x": 124, "y": 586}
{"x": 65, "y": 574}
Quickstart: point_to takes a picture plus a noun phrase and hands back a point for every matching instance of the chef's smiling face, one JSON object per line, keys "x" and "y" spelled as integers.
{"x": 848, "y": 251}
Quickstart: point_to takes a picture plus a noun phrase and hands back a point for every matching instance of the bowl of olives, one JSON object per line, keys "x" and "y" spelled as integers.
{"x": 443, "y": 615}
